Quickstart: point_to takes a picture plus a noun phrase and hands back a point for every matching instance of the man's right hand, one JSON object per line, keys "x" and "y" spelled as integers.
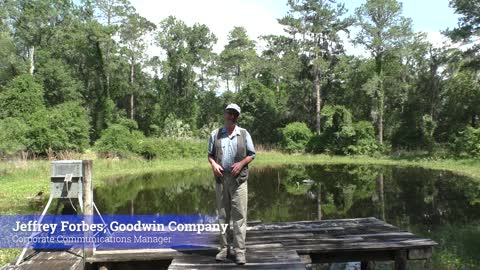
{"x": 217, "y": 169}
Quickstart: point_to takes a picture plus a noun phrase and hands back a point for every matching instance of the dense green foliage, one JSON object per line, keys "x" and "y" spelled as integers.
{"x": 30, "y": 127}
{"x": 467, "y": 143}
{"x": 341, "y": 136}
{"x": 170, "y": 148}
{"x": 20, "y": 97}
{"x": 61, "y": 128}
{"x": 295, "y": 137}
{"x": 119, "y": 140}
{"x": 72, "y": 71}
{"x": 124, "y": 140}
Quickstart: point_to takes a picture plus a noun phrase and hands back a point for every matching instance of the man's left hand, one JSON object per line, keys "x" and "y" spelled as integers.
{"x": 236, "y": 168}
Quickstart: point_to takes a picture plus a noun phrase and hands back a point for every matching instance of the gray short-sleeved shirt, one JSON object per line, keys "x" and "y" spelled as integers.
{"x": 229, "y": 145}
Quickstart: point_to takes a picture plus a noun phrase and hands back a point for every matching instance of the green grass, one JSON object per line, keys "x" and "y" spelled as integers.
{"x": 20, "y": 181}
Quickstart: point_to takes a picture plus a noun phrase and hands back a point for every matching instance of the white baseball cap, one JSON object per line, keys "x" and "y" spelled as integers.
{"x": 233, "y": 106}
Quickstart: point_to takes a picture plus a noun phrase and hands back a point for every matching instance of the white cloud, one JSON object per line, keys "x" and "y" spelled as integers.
{"x": 258, "y": 17}
{"x": 219, "y": 15}
{"x": 437, "y": 39}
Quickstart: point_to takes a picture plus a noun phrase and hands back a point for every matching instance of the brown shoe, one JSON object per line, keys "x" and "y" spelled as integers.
{"x": 222, "y": 255}
{"x": 240, "y": 257}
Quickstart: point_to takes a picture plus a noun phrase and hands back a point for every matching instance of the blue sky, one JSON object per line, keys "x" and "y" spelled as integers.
{"x": 427, "y": 15}
{"x": 430, "y": 15}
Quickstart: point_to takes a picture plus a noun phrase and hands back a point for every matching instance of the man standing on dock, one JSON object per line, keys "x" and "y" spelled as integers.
{"x": 230, "y": 150}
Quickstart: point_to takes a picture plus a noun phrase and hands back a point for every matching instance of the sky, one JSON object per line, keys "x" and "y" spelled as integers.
{"x": 259, "y": 17}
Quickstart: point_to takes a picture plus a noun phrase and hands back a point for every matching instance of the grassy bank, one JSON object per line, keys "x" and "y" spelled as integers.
{"x": 22, "y": 180}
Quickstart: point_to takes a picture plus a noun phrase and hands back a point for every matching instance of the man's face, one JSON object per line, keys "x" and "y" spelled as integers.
{"x": 229, "y": 118}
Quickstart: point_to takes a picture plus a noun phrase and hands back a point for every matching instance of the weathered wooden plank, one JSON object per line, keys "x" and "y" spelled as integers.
{"x": 273, "y": 256}
{"x": 127, "y": 255}
{"x": 365, "y": 246}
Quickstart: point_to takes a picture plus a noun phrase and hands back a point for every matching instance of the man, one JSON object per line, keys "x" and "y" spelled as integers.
{"x": 230, "y": 149}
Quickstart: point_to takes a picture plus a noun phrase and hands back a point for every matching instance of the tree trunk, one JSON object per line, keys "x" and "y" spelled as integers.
{"x": 380, "y": 117}
{"x": 107, "y": 55}
{"x": 32, "y": 60}
{"x": 237, "y": 84}
{"x": 277, "y": 89}
{"x": 379, "y": 70}
{"x": 132, "y": 73}
{"x": 318, "y": 103}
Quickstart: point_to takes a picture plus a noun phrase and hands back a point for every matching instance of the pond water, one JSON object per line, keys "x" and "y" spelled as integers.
{"x": 436, "y": 204}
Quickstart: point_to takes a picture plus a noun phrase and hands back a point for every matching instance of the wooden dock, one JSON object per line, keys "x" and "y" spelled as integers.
{"x": 286, "y": 245}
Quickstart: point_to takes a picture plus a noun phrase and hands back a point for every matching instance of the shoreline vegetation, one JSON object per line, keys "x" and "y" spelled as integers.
{"x": 21, "y": 181}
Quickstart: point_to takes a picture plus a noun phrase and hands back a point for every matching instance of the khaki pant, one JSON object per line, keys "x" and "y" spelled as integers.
{"x": 232, "y": 201}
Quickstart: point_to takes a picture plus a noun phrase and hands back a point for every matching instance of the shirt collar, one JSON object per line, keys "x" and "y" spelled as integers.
{"x": 236, "y": 131}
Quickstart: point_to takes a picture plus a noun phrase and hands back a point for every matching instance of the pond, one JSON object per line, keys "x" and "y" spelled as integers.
{"x": 436, "y": 204}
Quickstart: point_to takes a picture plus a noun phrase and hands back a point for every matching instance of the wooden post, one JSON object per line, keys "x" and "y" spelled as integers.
{"x": 88, "y": 202}
{"x": 401, "y": 260}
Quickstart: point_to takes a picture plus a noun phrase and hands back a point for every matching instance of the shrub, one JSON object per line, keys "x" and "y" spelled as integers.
{"x": 119, "y": 140}
{"x": 13, "y": 136}
{"x": 341, "y": 136}
{"x": 363, "y": 142}
{"x": 172, "y": 148}
{"x": 467, "y": 143}
{"x": 295, "y": 137}
{"x": 124, "y": 140}
{"x": 22, "y": 96}
{"x": 337, "y": 132}
{"x": 174, "y": 127}
{"x": 65, "y": 127}
{"x": 70, "y": 122}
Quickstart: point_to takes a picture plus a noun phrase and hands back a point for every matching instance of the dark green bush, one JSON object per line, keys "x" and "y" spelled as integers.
{"x": 64, "y": 127}
{"x": 337, "y": 132}
{"x": 343, "y": 137}
{"x": 467, "y": 143}
{"x": 124, "y": 140}
{"x": 363, "y": 142}
{"x": 22, "y": 96}
{"x": 12, "y": 136}
{"x": 172, "y": 148}
{"x": 119, "y": 140}
{"x": 295, "y": 137}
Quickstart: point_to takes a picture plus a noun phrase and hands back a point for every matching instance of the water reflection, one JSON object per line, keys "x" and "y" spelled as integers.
{"x": 435, "y": 204}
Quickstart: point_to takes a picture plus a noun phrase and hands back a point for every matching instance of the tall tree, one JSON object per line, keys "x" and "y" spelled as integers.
{"x": 187, "y": 50}
{"x": 34, "y": 22}
{"x": 382, "y": 29}
{"x": 468, "y": 28}
{"x": 110, "y": 13}
{"x": 239, "y": 51}
{"x": 316, "y": 24}
{"x": 133, "y": 32}
{"x": 281, "y": 62}
{"x": 201, "y": 41}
